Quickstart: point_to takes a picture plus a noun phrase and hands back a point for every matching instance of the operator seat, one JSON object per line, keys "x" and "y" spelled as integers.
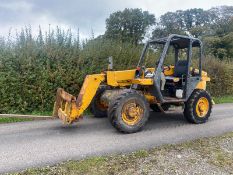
{"x": 180, "y": 69}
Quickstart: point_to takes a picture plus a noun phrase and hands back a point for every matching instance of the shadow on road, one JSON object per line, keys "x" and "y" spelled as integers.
{"x": 161, "y": 120}
{"x": 92, "y": 125}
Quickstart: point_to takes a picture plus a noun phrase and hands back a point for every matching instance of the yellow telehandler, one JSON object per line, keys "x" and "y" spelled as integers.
{"x": 127, "y": 96}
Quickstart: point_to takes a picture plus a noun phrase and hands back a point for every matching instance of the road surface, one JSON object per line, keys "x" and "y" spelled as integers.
{"x": 47, "y": 142}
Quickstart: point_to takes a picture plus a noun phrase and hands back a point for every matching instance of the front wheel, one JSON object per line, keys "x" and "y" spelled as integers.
{"x": 198, "y": 108}
{"x": 129, "y": 112}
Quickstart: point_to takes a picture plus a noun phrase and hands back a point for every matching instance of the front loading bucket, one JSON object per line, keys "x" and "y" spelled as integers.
{"x": 69, "y": 108}
{"x": 64, "y": 106}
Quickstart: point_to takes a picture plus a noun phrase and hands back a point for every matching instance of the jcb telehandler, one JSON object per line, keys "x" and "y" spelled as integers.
{"x": 127, "y": 96}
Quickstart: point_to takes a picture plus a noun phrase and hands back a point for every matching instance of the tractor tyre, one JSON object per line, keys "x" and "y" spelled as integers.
{"x": 198, "y": 107}
{"x": 129, "y": 112}
{"x": 155, "y": 107}
{"x": 98, "y": 109}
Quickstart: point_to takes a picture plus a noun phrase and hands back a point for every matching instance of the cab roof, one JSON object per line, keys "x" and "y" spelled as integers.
{"x": 178, "y": 41}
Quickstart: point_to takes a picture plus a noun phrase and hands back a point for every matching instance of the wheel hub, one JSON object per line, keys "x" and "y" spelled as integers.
{"x": 202, "y": 107}
{"x": 132, "y": 113}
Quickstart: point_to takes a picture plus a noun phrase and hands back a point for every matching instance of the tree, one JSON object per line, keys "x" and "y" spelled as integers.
{"x": 192, "y": 21}
{"x": 221, "y": 45}
{"x": 222, "y": 23}
{"x": 129, "y": 25}
{"x": 170, "y": 22}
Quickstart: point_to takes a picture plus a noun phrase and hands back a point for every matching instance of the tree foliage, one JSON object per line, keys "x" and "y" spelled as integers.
{"x": 221, "y": 44}
{"x": 194, "y": 21}
{"x": 197, "y": 22}
{"x": 129, "y": 25}
{"x": 213, "y": 26}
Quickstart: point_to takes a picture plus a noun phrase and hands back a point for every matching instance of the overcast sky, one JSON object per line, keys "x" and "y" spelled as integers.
{"x": 85, "y": 15}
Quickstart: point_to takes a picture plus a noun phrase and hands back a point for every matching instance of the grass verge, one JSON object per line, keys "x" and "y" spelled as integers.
{"x": 224, "y": 99}
{"x": 41, "y": 113}
{"x": 202, "y": 156}
{"x": 13, "y": 119}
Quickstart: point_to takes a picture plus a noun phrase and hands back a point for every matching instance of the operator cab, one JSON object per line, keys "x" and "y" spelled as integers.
{"x": 174, "y": 74}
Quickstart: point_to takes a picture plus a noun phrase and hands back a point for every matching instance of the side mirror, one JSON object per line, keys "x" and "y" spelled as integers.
{"x": 110, "y": 63}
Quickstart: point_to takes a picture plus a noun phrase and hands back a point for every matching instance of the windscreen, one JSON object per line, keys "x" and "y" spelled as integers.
{"x": 152, "y": 55}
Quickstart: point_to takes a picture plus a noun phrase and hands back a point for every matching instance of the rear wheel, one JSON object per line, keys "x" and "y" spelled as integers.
{"x": 98, "y": 109}
{"x": 198, "y": 107}
{"x": 129, "y": 112}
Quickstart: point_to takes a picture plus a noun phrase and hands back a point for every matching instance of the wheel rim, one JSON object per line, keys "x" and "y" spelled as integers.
{"x": 132, "y": 112}
{"x": 202, "y": 107}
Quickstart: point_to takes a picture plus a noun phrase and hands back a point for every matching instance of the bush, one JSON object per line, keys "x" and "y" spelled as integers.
{"x": 220, "y": 72}
{"x": 31, "y": 69}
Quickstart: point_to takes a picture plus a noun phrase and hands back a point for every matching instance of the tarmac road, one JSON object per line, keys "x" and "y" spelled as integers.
{"x": 47, "y": 142}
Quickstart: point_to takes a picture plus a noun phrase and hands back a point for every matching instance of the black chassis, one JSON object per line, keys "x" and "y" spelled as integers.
{"x": 179, "y": 42}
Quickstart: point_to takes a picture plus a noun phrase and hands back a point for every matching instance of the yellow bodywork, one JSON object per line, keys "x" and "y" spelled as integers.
{"x": 70, "y": 108}
{"x": 127, "y": 77}
{"x": 120, "y": 78}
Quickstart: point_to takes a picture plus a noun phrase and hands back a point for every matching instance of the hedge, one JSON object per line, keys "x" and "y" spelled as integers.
{"x": 31, "y": 69}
